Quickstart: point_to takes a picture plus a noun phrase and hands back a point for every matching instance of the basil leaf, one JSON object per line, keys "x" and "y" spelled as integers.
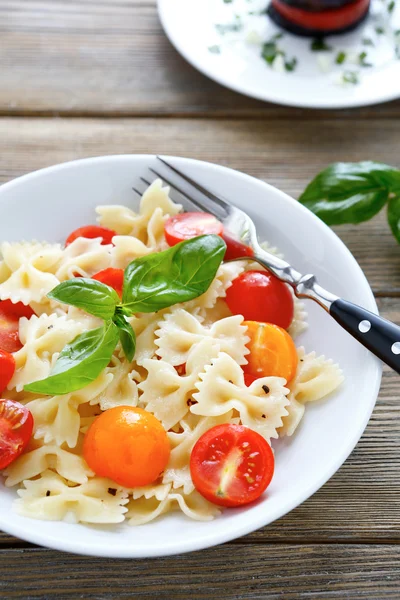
{"x": 350, "y": 192}
{"x": 179, "y": 274}
{"x": 80, "y": 362}
{"x": 92, "y": 296}
{"x": 126, "y": 335}
{"x": 393, "y": 215}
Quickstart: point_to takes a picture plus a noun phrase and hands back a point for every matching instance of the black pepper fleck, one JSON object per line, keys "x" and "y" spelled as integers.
{"x": 264, "y": 416}
{"x": 48, "y": 493}
{"x": 266, "y": 389}
{"x": 112, "y": 491}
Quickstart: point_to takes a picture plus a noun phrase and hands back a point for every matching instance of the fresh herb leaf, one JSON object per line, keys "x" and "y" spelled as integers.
{"x": 214, "y": 49}
{"x": 350, "y": 192}
{"x": 179, "y": 274}
{"x": 227, "y": 1}
{"x": 362, "y": 60}
{"x": 270, "y": 51}
{"x": 379, "y": 30}
{"x": 367, "y": 42}
{"x": 126, "y": 335}
{"x": 223, "y": 28}
{"x": 80, "y": 362}
{"x": 290, "y": 65}
{"x": 340, "y": 58}
{"x": 319, "y": 45}
{"x": 391, "y": 6}
{"x": 351, "y": 77}
{"x": 94, "y": 297}
{"x": 393, "y": 215}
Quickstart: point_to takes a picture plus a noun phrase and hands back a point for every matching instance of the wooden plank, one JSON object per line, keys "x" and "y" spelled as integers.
{"x": 361, "y": 503}
{"x": 112, "y": 58}
{"x": 265, "y": 149}
{"x": 241, "y": 572}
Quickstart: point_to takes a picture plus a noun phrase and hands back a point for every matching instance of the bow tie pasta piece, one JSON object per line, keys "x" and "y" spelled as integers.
{"x": 226, "y": 273}
{"x": 165, "y": 393}
{"x": 122, "y": 390}
{"x": 148, "y": 503}
{"x": 30, "y": 465}
{"x": 177, "y": 471}
{"x": 28, "y": 271}
{"x": 126, "y": 222}
{"x": 193, "y": 505}
{"x": 316, "y": 377}
{"x": 181, "y": 330}
{"x": 51, "y": 498}
{"x": 57, "y": 419}
{"x": 126, "y": 249}
{"x": 261, "y": 405}
{"x": 84, "y": 257}
{"x": 43, "y": 338}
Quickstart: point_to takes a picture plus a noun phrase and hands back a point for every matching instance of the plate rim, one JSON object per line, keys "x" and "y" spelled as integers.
{"x": 269, "y": 96}
{"x": 213, "y": 539}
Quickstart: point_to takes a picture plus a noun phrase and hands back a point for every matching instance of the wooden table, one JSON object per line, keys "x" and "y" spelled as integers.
{"x": 90, "y": 77}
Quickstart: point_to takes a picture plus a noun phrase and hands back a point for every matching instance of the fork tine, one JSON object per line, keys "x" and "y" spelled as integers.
{"x": 145, "y": 181}
{"x": 137, "y": 192}
{"x": 175, "y": 187}
{"x": 196, "y": 185}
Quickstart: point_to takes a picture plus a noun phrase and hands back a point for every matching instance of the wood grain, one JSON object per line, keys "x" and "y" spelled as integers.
{"x": 264, "y": 148}
{"x": 288, "y": 571}
{"x": 80, "y": 57}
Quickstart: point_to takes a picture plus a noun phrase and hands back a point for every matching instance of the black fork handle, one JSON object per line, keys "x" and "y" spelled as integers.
{"x": 380, "y": 336}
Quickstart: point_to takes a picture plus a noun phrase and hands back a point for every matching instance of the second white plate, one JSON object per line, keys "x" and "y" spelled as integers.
{"x": 234, "y": 58}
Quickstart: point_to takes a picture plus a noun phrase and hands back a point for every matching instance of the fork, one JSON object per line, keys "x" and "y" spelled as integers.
{"x": 379, "y": 335}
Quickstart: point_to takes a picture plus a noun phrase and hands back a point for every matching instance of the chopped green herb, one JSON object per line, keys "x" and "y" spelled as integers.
{"x": 290, "y": 65}
{"x": 379, "y": 30}
{"x": 319, "y": 45}
{"x": 362, "y": 60}
{"x": 391, "y": 6}
{"x": 367, "y": 42}
{"x": 223, "y": 28}
{"x": 351, "y": 77}
{"x": 269, "y": 52}
{"x": 340, "y": 58}
{"x": 214, "y": 49}
{"x": 397, "y": 52}
{"x": 277, "y": 36}
{"x": 227, "y": 1}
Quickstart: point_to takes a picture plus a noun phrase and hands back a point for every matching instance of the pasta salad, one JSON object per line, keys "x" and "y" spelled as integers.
{"x": 141, "y": 373}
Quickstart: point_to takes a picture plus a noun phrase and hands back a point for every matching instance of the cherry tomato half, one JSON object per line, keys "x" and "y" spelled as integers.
{"x": 231, "y": 465}
{"x": 10, "y": 315}
{"x": 259, "y": 296}
{"x": 91, "y": 232}
{"x": 272, "y": 351}
{"x": 16, "y": 426}
{"x": 128, "y": 445}
{"x": 7, "y": 369}
{"x": 190, "y": 224}
{"x": 249, "y": 378}
{"x": 235, "y": 248}
{"x": 112, "y": 277}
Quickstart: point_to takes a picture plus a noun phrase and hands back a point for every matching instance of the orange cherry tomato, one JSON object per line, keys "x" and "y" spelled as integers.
{"x": 128, "y": 445}
{"x": 16, "y": 426}
{"x": 10, "y": 315}
{"x": 249, "y": 378}
{"x": 259, "y": 296}
{"x": 7, "y": 369}
{"x": 189, "y": 225}
{"x": 112, "y": 277}
{"x": 272, "y": 351}
{"x": 91, "y": 232}
{"x": 231, "y": 465}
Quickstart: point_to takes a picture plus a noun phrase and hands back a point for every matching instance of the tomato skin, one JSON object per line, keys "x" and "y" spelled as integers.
{"x": 128, "y": 445}
{"x": 249, "y": 378}
{"x": 112, "y": 277}
{"x": 185, "y": 226}
{"x": 16, "y": 426}
{"x": 10, "y": 315}
{"x": 235, "y": 248}
{"x": 91, "y": 232}
{"x": 272, "y": 351}
{"x": 260, "y": 296}
{"x": 324, "y": 21}
{"x": 231, "y": 465}
{"x": 7, "y": 369}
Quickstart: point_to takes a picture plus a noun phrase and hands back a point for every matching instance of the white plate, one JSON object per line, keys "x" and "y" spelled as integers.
{"x": 190, "y": 26}
{"x": 49, "y": 204}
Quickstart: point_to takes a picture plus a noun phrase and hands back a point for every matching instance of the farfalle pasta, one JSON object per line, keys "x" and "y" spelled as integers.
{"x": 190, "y": 370}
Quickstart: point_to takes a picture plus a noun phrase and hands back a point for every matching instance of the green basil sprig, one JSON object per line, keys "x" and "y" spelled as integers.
{"x": 355, "y": 192}
{"x": 151, "y": 282}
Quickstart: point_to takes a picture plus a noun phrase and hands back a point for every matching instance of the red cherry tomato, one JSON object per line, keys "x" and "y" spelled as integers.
{"x": 334, "y": 19}
{"x": 16, "y": 425}
{"x": 112, "y": 277}
{"x": 249, "y": 378}
{"x": 10, "y": 315}
{"x": 7, "y": 369}
{"x": 231, "y": 465}
{"x": 91, "y": 232}
{"x": 191, "y": 224}
{"x": 235, "y": 249}
{"x": 259, "y": 296}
